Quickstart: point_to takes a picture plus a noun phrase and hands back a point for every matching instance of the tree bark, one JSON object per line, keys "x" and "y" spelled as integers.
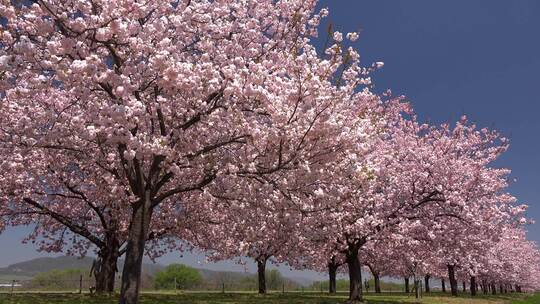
{"x": 485, "y": 287}
{"x": 501, "y": 289}
{"x": 416, "y": 287}
{"x": 407, "y": 289}
{"x": 443, "y": 285}
{"x": 473, "y": 286}
{"x": 261, "y": 273}
{"x": 464, "y": 286}
{"x": 453, "y": 281}
{"x": 138, "y": 232}
{"x": 332, "y": 271}
{"x": 355, "y": 274}
{"x": 105, "y": 276}
{"x": 493, "y": 289}
{"x": 377, "y": 279}
{"x": 426, "y": 282}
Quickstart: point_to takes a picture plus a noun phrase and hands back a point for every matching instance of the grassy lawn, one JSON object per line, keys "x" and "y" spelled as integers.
{"x": 276, "y": 298}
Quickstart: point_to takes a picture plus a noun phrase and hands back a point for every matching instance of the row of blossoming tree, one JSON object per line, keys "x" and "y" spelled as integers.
{"x": 133, "y": 128}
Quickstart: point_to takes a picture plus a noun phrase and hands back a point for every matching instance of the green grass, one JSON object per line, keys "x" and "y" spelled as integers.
{"x": 273, "y": 298}
{"x": 535, "y": 299}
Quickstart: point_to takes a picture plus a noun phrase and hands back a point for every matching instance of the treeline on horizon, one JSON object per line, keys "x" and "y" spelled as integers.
{"x": 70, "y": 279}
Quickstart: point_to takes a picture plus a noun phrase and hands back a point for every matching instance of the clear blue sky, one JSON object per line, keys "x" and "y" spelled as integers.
{"x": 480, "y": 58}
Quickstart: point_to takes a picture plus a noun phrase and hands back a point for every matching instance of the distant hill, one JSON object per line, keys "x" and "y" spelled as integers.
{"x": 35, "y": 266}
{"x": 32, "y": 267}
{"x": 208, "y": 274}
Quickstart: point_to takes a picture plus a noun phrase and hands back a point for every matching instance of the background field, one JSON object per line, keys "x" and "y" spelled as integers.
{"x": 275, "y": 298}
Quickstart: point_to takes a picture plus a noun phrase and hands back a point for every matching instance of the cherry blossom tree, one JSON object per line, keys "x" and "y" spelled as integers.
{"x": 143, "y": 106}
{"x": 512, "y": 263}
{"x": 128, "y": 126}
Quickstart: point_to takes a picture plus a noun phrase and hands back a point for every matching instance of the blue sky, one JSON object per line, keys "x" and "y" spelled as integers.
{"x": 480, "y": 58}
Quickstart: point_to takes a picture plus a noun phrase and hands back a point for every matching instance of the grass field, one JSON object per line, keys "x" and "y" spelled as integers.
{"x": 276, "y": 298}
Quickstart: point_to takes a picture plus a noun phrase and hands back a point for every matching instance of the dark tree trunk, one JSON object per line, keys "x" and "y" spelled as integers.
{"x": 106, "y": 275}
{"x": 261, "y": 274}
{"x": 485, "y": 287}
{"x": 501, "y": 289}
{"x": 453, "y": 281}
{"x": 407, "y": 289}
{"x": 473, "y": 286}
{"x": 416, "y": 288}
{"x": 493, "y": 289}
{"x": 355, "y": 274}
{"x": 110, "y": 260}
{"x": 426, "y": 282}
{"x": 377, "y": 279}
{"x": 332, "y": 271}
{"x": 103, "y": 269}
{"x": 443, "y": 285}
{"x": 138, "y": 232}
{"x": 464, "y": 286}
{"x": 100, "y": 276}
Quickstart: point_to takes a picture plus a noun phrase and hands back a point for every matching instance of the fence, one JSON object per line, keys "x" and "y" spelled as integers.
{"x": 85, "y": 284}
{"x": 81, "y": 283}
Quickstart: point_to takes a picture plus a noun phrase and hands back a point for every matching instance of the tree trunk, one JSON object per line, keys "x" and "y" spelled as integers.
{"x": 443, "y": 285}
{"x": 501, "y": 289}
{"x": 493, "y": 289}
{"x": 332, "y": 271}
{"x": 416, "y": 288}
{"x": 355, "y": 275}
{"x": 426, "y": 282}
{"x": 407, "y": 289}
{"x": 108, "y": 270}
{"x": 261, "y": 273}
{"x": 485, "y": 287}
{"x": 473, "y": 286}
{"x": 453, "y": 281}
{"x": 138, "y": 232}
{"x": 464, "y": 286}
{"x": 377, "y": 279}
{"x": 109, "y": 259}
